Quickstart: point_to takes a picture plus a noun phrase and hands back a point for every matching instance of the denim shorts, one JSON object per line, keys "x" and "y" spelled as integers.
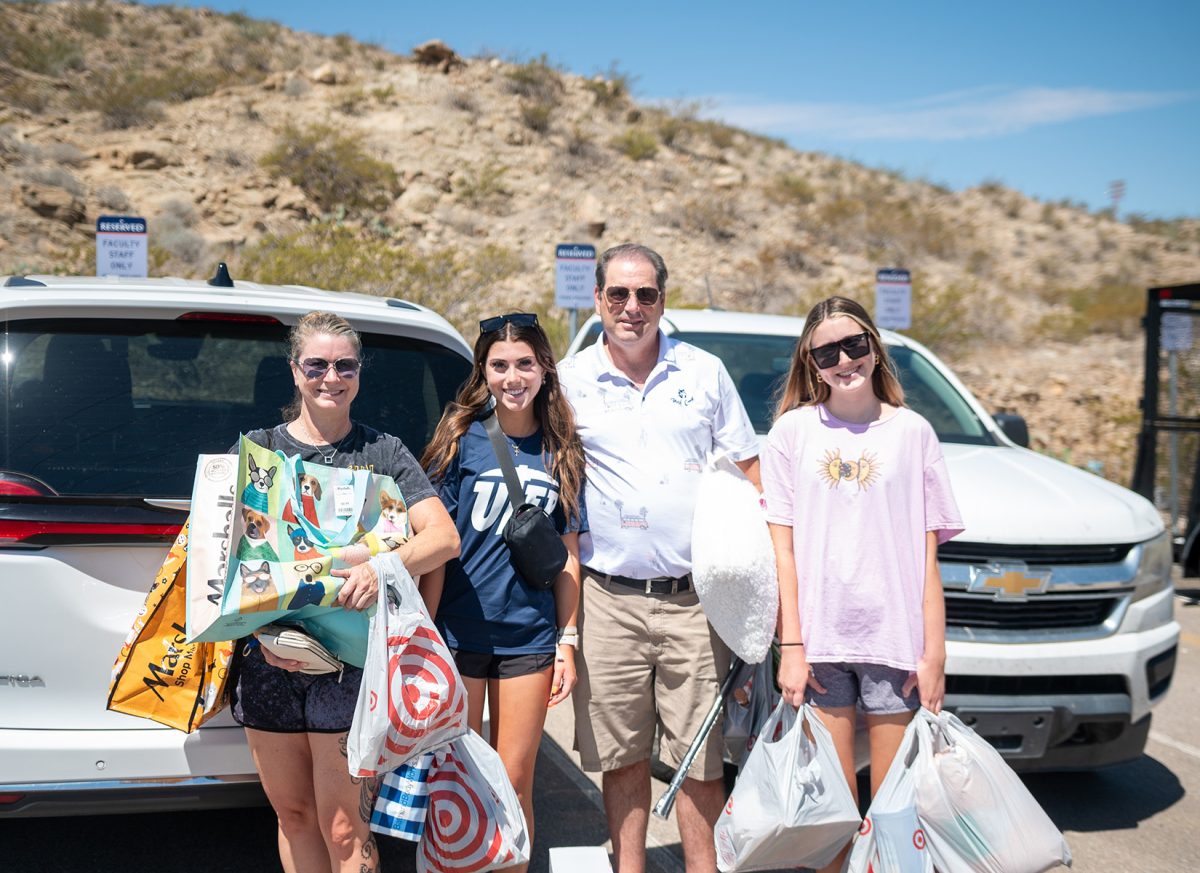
{"x": 873, "y": 688}
{"x": 279, "y": 701}
{"x": 485, "y": 665}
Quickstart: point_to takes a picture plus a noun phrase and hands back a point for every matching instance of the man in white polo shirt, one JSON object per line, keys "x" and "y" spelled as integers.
{"x": 649, "y": 410}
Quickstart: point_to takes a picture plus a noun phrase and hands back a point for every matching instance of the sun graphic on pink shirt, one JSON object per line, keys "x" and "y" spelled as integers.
{"x": 864, "y": 471}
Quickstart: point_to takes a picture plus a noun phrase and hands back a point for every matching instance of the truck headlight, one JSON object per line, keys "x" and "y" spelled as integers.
{"x": 1154, "y": 568}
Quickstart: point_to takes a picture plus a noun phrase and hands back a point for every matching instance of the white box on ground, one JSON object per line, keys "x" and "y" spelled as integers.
{"x": 579, "y": 859}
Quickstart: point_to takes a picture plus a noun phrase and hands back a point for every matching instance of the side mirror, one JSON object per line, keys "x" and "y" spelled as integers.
{"x": 1014, "y": 428}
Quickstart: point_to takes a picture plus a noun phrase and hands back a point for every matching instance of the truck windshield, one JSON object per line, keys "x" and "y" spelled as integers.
{"x": 758, "y": 364}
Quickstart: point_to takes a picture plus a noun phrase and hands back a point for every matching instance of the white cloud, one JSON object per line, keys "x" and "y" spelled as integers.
{"x": 974, "y": 114}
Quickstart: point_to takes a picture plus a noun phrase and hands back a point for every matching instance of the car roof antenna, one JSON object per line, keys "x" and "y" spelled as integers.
{"x": 221, "y": 278}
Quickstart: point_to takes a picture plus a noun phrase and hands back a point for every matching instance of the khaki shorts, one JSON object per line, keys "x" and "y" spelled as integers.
{"x": 645, "y": 661}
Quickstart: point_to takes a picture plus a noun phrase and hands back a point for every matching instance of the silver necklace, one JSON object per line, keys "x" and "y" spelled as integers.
{"x": 333, "y": 450}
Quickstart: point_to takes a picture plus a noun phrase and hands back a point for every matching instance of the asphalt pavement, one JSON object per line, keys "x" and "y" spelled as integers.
{"x": 1143, "y": 816}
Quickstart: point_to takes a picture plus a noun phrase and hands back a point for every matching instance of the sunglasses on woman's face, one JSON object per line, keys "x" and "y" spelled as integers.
{"x": 854, "y": 346}
{"x": 517, "y": 319}
{"x": 316, "y": 368}
{"x": 618, "y": 295}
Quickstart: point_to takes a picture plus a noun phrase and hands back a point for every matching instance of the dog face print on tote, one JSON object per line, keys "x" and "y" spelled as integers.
{"x": 259, "y": 592}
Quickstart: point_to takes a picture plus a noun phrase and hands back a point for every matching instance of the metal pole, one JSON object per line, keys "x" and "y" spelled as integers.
{"x": 1173, "y": 439}
{"x": 572, "y": 324}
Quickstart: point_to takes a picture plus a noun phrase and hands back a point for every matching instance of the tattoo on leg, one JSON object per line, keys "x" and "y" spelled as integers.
{"x": 342, "y": 740}
{"x": 367, "y": 794}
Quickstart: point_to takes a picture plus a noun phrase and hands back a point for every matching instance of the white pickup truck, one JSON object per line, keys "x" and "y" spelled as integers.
{"x": 1059, "y": 603}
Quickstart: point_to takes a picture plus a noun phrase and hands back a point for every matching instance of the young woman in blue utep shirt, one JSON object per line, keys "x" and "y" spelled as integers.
{"x": 513, "y": 643}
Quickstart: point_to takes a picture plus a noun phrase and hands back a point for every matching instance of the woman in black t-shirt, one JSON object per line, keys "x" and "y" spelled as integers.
{"x": 296, "y": 723}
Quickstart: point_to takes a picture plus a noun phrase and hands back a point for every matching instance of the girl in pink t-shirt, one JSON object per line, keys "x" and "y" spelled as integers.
{"x": 857, "y": 500}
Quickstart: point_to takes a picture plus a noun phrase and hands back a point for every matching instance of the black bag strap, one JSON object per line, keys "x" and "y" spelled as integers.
{"x": 516, "y": 494}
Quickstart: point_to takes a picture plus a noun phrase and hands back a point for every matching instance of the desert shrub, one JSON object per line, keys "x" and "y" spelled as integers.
{"x": 351, "y": 101}
{"x": 535, "y": 115}
{"x": 127, "y": 99}
{"x": 296, "y": 86}
{"x": 669, "y": 128}
{"x": 384, "y": 94}
{"x": 179, "y": 210}
{"x": 482, "y": 184}
{"x": 949, "y": 319}
{"x": 636, "y": 143}
{"x": 713, "y": 216}
{"x": 331, "y": 168}
{"x": 57, "y": 177}
{"x": 462, "y": 100}
{"x": 1112, "y": 307}
{"x": 111, "y": 197}
{"x": 536, "y": 79}
{"x": 93, "y": 19}
{"x": 43, "y": 52}
{"x": 610, "y": 90}
{"x": 253, "y": 30}
{"x": 334, "y": 256}
{"x": 25, "y": 93}
{"x": 789, "y": 189}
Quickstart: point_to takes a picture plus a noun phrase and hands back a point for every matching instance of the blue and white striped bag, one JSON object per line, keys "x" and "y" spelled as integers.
{"x": 403, "y": 800}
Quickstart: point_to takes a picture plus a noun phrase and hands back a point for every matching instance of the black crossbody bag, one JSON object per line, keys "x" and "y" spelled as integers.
{"x": 537, "y": 549}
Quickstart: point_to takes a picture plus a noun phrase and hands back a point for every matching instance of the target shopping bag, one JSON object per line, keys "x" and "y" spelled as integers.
{"x": 412, "y": 699}
{"x": 474, "y": 822}
{"x": 977, "y": 813}
{"x": 891, "y": 839}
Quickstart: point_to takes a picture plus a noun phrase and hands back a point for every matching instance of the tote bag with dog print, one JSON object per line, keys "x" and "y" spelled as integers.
{"x": 279, "y": 535}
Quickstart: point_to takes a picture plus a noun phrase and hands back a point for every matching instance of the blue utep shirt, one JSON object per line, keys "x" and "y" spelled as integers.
{"x": 485, "y": 605}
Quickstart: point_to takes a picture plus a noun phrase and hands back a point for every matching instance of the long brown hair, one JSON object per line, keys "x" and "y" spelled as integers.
{"x": 803, "y": 388}
{"x": 563, "y": 450}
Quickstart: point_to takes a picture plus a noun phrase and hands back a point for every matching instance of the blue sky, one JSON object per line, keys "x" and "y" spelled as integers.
{"x": 1055, "y": 99}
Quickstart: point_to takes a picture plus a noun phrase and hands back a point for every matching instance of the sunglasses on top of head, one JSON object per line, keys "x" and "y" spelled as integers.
{"x": 854, "y": 346}
{"x": 618, "y": 295}
{"x": 517, "y": 319}
{"x": 315, "y": 368}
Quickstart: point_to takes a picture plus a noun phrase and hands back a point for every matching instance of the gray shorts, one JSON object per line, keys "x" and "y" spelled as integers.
{"x": 873, "y": 688}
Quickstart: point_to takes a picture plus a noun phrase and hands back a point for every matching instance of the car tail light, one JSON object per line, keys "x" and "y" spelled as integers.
{"x": 241, "y": 317}
{"x": 21, "y": 485}
{"x": 10, "y": 798}
{"x": 46, "y": 532}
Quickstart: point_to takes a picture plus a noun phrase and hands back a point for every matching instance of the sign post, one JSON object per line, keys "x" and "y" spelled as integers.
{"x": 574, "y": 279}
{"x": 893, "y": 299}
{"x": 121, "y": 246}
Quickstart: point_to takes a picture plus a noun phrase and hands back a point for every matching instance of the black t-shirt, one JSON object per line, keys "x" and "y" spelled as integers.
{"x": 364, "y": 448}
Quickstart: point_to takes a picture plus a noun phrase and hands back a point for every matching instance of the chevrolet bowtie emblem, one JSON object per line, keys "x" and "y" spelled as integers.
{"x": 1008, "y": 581}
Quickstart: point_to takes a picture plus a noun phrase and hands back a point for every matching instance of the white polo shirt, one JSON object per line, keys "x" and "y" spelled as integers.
{"x": 645, "y": 449}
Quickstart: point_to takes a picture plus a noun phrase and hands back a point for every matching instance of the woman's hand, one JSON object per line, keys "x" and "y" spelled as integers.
{"x": 564, "y": 675}
{"x": 795, "y": 675}
{"x": 282, "y": 663}
{"x": 930, "y": 682}
{"x": 361, "y": 588}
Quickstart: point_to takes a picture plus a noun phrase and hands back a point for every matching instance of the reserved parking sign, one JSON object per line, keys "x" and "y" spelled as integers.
{"x": 121, "y": 246}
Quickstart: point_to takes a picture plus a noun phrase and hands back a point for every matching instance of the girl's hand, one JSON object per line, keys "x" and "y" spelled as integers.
{"x": 564, "y": 675}
{"x": 282, "y": 663}
{"x": 795, "y": 675}
{"x": 361, "y": 588}
{"x": 930, "y": 682}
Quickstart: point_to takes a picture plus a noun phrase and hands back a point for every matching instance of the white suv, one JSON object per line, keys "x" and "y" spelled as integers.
{"x": 1059, "y": 604}
{"x": 111, "y": 387}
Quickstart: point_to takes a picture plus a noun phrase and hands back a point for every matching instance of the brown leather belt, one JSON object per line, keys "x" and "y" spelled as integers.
{"x": 657, "y": 585}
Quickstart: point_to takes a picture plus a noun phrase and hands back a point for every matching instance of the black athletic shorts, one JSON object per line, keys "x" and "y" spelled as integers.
{"x": 267, "y": 698}
{"x": 485, "y": 665}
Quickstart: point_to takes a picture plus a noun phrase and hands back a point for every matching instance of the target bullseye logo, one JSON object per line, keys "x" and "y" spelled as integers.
{"x": 865, "y": 827}
{"x": 425, "y": 695}
{"x": 919, "y": 838}
{"x": 464, "y": 836}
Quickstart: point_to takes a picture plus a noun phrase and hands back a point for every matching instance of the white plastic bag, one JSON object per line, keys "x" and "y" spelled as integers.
{"x": 474, "y": 822}
{"x": 733, "y": 560}
{"x": 977, "y": 814}
{"x": 791, "y": 806}
{"x": 891, "y": 839}
{"x": 412, "y": 699}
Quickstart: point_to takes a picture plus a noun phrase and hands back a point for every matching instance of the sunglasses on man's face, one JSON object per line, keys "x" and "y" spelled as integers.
{"x": 854, "y": 346}
{"x": 316, "y": 368}
{"x": 618, "y": 295}
{"x": 517, "y": 319}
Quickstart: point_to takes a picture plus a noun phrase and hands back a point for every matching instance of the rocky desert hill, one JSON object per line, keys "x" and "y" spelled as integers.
{"x": 448, "y": 180}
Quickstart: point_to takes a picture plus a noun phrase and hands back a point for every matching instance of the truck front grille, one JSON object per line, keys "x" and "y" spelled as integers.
{"x": 1039, "y": 612}
{"x": 1033, "y": 555}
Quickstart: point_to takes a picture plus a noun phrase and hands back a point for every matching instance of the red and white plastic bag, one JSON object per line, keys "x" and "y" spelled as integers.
{"x": 474, "y": 821}
{"x": 412, "y": 699}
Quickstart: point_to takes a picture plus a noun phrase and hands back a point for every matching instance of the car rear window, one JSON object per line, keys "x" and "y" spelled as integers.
{"x": 121, "y": 407}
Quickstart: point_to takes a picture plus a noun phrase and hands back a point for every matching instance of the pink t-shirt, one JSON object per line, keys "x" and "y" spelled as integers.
{"x": 859, "y": 499}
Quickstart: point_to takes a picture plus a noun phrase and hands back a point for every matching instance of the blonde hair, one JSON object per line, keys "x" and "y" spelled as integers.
{"x": 803, "y": 388}
{"x": 309, "y": 325}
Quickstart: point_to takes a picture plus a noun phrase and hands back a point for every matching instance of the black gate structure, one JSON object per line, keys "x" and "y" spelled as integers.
{"x": 1168, "y": 455}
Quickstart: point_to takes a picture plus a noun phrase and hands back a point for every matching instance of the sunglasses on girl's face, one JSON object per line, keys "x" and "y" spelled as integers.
{"x": 854, "y": 346}
{"x": 517, "y": 319}
{"x": 315, "y": 368}
{"x": 618, "y": 295}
